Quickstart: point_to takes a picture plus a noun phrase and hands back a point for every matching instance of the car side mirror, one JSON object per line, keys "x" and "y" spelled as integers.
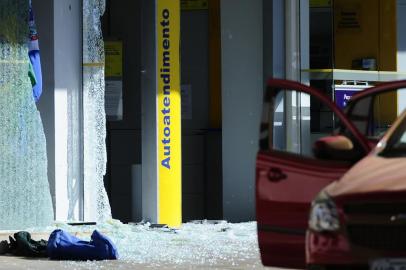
{"x": 337, "y": 147}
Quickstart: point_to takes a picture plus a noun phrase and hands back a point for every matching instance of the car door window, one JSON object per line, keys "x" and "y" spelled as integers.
{"x": 374, "y": 114}
{"x": 287, "y": 127}
{"x": 360, "y": 114}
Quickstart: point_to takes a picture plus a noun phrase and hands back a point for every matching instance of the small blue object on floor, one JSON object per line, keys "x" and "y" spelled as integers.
{"x": 64, "y": 246}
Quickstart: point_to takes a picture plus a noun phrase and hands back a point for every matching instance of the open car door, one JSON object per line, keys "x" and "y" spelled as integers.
{"x": 289, "y": 175}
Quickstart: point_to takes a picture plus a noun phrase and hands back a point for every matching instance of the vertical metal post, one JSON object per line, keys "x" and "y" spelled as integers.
{"x": 297, "y": 106}
{"x": 148, "y": 112}
{"x": 292, "y": 58}
{"x": 81, "y": 134}
{"x": 304, "y": 27}
{"x": 274, "y": 57}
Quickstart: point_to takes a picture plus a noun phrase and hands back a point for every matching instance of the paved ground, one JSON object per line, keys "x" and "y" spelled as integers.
{"x": 16, "y": 263}
{"x": 203, "y": 245}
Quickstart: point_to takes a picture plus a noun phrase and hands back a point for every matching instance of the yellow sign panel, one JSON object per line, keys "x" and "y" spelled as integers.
{"x": 169, "y": 113}
{"x": 114, "y": 58}
{"x": 194, "y": 4}
{"x": 320, "y": 3}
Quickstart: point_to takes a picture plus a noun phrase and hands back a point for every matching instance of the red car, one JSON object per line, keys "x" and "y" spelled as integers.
{"x": 360, "y": 220}
{"x": 287, "y": 182}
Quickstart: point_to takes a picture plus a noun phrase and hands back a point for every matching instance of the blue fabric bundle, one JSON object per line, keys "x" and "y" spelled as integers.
{"x": 36, "y": 64}
{"x": 34, "y": 55}
{"x": 64, "y": 246}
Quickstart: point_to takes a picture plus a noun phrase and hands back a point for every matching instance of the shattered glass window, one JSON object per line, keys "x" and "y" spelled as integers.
{"x": 25, "y": 199}
{"x": 96, "y": 203}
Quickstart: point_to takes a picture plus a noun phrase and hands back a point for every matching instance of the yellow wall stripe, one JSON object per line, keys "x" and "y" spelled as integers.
{"x": 93, "y": 64}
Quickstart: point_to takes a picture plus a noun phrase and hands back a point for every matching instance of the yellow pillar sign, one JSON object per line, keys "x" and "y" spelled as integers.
{"x": 169, "y": 113}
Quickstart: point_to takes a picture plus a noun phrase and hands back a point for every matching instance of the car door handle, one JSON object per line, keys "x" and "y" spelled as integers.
{"x": 276, "y": 175}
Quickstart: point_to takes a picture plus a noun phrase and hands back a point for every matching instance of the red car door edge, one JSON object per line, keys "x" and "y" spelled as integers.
{"x": 380, "y": 88}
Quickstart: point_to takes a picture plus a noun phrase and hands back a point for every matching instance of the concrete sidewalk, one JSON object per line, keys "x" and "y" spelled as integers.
{"x": 203, "y": 245}
{"x": 18, "y": 263}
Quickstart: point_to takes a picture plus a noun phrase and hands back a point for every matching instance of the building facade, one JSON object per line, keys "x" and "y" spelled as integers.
{"x": 227, "y": 51}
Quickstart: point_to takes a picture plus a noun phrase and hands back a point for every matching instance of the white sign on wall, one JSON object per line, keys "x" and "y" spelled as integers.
{"x": 114, "y": 99}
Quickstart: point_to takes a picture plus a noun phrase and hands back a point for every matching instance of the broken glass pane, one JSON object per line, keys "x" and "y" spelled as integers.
{"x": 25, "y": 199}
{"x": 96, "y": 203}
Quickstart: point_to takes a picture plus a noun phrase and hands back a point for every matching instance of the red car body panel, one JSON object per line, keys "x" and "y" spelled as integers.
{"x": 371, "y": 175}
{"x": 287, "y": 183}
{"x": 283, "y": 206}
{"x": 337, "y": 248}
{"x": 371, "y": 195}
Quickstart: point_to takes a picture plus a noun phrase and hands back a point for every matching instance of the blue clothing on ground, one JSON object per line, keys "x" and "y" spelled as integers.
{"x": 64, "y": 246}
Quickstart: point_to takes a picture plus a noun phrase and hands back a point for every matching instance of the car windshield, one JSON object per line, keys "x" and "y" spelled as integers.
{"x": 396, "y": 146}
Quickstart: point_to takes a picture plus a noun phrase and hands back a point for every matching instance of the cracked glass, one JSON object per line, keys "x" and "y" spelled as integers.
{"x": 25, "y": 199}
{"x": 96, "y": 203}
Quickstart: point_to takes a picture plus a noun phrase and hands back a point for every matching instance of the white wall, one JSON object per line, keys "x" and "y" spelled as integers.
{"x": 60, "y": 32}
{"x": 44, "y": 18}
{"x": 242, "y": 89}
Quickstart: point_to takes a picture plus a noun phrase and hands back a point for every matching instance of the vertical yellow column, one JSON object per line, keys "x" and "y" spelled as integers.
{"x": 169, "y": 113}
